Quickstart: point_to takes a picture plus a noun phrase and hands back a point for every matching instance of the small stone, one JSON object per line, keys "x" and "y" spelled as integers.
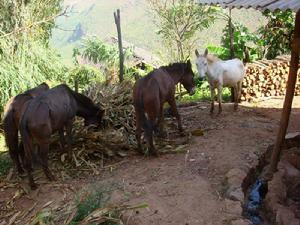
{"x": 236, "y": 195}
{"x": 233, "y": 208}
{"x": 240, "y": 222}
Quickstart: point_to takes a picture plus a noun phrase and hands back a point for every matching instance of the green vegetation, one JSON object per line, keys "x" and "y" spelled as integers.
{"x": 25, "y": 55}
{"x": 275, "y": 36}
{"x": 268, "y": 41}
{"x": 179, "y": 21}
{"x": 203, "y": 94}
{"x": 97, "y": 198}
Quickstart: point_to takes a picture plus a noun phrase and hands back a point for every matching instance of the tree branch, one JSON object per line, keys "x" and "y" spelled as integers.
{"x": 46, "y": 20}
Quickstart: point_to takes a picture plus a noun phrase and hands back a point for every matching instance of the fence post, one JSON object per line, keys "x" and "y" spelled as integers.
{"x": 121, "y": 55}
{"x": 231, "y": 49}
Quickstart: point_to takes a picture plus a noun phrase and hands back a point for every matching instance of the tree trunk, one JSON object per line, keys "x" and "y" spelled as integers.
{"x": 231, "y": 49}
{"x": 121, "y": 55}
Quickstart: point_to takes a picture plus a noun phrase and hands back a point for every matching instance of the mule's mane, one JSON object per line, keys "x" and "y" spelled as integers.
{"x": 82, "y": 99}
{"x": 174, "y": 67}
{"x": 212, "y": 58}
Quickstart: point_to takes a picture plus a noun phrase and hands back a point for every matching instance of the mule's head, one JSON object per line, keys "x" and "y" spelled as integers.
{"x": 201, "y": 63}
{"x": 187, "y": 79}
{"x": 95, "y": 118}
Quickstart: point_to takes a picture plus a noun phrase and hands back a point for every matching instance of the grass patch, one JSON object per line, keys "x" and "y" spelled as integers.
{"x": 203, "y": 94}
{"x": 97, "y": 198}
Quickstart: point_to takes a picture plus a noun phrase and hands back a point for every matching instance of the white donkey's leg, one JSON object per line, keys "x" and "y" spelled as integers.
{"x": 236, "y": 96}
{"x": 220, "y": 89}
{"x": 212, "y": 95}
{"x": 240, "y": 83}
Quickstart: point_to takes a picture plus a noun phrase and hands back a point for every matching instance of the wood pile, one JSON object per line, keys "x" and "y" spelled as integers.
{"x": 267, "y": 78}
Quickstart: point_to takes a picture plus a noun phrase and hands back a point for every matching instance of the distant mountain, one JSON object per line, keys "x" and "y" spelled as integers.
{"x": 95, "y": 17}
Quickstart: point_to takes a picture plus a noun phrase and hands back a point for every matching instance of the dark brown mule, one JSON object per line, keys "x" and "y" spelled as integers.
{"x": 152, "y": 91}
{"x": 53, "y": 111}
{"x": 12, "y": 114}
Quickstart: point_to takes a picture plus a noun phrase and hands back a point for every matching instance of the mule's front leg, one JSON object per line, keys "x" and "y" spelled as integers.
{"x": 62, "y": 139}
{"x": 172, "y": 103}
{"x": 212, "y": 95}
{"x": 220, "y": 89}
{"x": 69, "y": 126}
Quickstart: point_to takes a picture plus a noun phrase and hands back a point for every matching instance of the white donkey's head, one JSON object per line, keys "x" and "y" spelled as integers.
{"x": 201, "y": 63}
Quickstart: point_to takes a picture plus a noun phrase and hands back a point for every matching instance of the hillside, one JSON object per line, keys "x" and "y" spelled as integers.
{"x": 95, "y": 17}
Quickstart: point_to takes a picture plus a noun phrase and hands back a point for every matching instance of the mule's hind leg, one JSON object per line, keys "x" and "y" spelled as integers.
{"x": 138, "y": 131}
{"x": 44, "y": 149}
{"x": 149, "y": 136}
{"x": 28, "y": 164}
{"x": 220, "y": 89}
{"x": 212, "y": 95}
{"x": 236, "y": 96}
{"x": 13, "y": 148}
{"x": 239, "y": 84}
{"x": 21, "y": 154}
{"x": 161, "y": 132}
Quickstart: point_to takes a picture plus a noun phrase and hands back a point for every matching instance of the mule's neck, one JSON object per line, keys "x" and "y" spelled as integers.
{"x": 84, "y": 106}
{"x": 175, "y": 75}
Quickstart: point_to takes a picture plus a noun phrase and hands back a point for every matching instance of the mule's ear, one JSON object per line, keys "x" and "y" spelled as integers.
{"x": 206, "y": 52}
{"x": 197, "y": 53}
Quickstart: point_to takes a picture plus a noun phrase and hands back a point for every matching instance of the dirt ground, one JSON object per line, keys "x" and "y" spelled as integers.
{"x": 184, "y": 188}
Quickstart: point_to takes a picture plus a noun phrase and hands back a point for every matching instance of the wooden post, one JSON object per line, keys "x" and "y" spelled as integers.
{"x": 285, "y": 115}
{"x": 230, "y": 26}
{"x": 231, "y": 49}
{"x": 121, "y": 55}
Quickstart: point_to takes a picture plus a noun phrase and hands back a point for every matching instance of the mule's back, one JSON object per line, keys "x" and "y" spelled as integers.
{"x": 52, "y": 108}
{"x": 154, "y": 86}
{"x": 234, "y": 71}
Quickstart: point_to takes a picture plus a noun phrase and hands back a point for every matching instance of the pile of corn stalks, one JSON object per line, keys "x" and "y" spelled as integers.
{"x": 116, "y": 100}
{"x": 91, "y": 148}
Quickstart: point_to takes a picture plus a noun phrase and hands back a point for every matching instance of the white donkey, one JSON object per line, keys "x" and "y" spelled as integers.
{"x": 229, "y": 73}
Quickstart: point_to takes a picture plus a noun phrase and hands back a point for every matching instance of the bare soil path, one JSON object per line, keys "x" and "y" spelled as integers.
{"x": 184, "y": 188}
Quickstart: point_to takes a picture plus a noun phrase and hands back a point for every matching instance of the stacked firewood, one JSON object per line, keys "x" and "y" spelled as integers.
{"x": 266, "y": 78}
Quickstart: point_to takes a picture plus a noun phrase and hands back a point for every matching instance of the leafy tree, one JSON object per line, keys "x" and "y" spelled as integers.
{"x": 178, "y": 22}
{"x": 275, "y": 36}
{"x": 244, "y": 43}
{"x": 25, "y": 57}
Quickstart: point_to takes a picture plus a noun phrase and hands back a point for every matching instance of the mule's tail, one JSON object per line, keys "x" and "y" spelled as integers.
{"x": 11, "y": 136}
{"x": 27, "y": 143}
